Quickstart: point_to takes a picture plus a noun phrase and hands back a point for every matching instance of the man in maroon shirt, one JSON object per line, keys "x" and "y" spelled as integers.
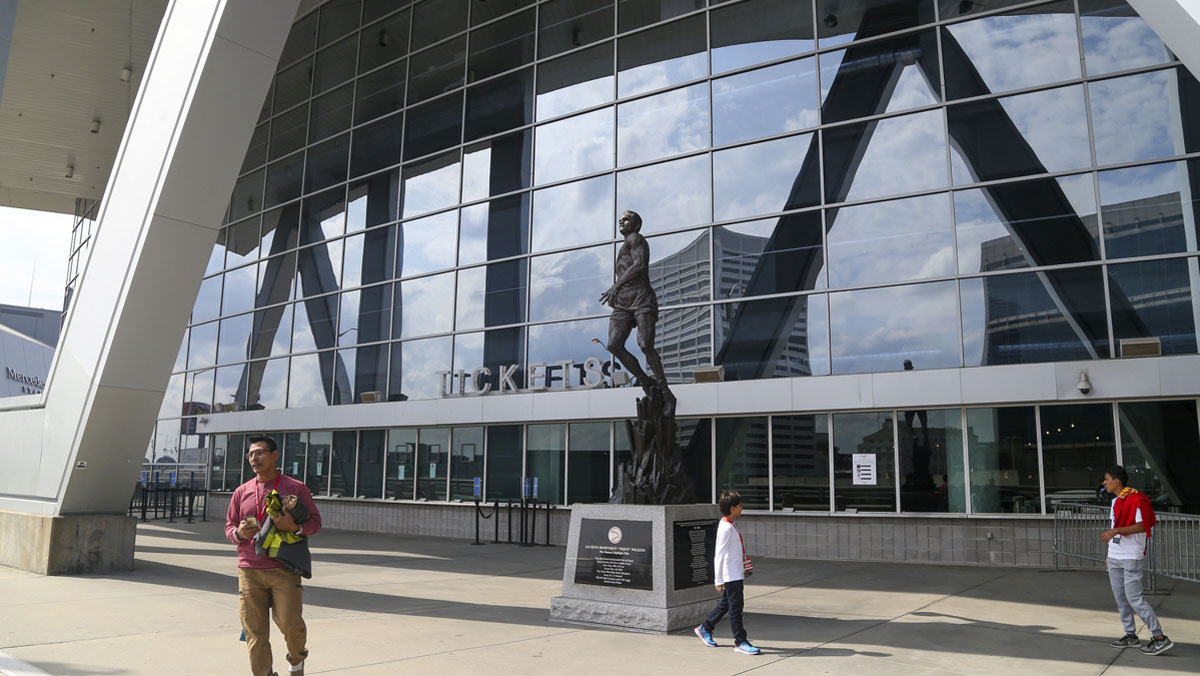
{"x": 263, "y": 582}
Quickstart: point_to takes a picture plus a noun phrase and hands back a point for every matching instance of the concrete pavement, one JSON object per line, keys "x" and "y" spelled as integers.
{"x": 381, "y": 604}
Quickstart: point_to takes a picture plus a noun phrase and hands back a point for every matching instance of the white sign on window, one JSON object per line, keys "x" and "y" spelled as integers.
{"x": 400, "y": 472}
{"x": 433, "y": 470}
{"x": 864, "y": 469}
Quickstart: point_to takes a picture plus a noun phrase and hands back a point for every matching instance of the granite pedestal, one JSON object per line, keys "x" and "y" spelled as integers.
{"x": 622, "y": 571}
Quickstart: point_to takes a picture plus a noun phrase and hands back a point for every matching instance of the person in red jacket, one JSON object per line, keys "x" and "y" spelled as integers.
{"x": 1131, "y": 520}
{"x": 263, "y": 582}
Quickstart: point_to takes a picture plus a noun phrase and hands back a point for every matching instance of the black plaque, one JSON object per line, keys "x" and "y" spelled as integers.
{"x": 615, "y": 554}
{"x": 695, "y": 544}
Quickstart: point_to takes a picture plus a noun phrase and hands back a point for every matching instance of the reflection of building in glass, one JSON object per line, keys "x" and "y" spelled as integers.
{"x": 683, "y": 336}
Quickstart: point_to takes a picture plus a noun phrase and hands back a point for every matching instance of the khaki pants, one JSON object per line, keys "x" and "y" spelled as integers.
{"x": 279, "y": 591}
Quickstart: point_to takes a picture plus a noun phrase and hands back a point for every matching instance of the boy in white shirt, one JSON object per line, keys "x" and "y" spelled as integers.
{"x": 729, "y": 572}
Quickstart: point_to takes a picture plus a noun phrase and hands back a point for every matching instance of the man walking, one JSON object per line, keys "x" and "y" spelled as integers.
{"x": 1132, "y": 519}
{"x": 264, "y": 585}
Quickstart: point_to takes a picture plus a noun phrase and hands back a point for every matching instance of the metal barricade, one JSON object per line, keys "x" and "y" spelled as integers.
{"x": 1173, "y": 547}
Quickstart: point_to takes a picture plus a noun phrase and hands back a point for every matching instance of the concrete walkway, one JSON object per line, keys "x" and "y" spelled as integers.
{"x": 390, "y": 605}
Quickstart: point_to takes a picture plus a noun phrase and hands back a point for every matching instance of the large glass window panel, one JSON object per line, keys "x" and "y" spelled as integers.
{"x": 373, "y": 201}
{"x": 338, "y": 17}
{"x": 502, "y": 104}
{"x": 497, "y": 229}
{"x": 1057, "y": 315}
{"x": 281, "y": 229}
{"x": 434, "y": 126}
{"x": 335, "y": 64}
{"x": 566, "y": 24}
{"x": 358, "y": 372}
{"x": 383, "y": 42}
{"x": 662, "y": 125}
{"x": 327, "y": 163}
{"x": 839, "y": 23}
{"x": 1116, "y": 38}
{"x": 202, "y": 346}
{"x": 800, "y": 462}
{"x": 370, "y": 463}
{"x": 590, "y": 138}
{"x": 276, "y": 280}
{"x": 931, "y": 461}
{"x": 272, "y": 332}
{"x": 760, "y": 30}
{"x": 323, "y": 216}
{"x": 695, "y": 442}
{"x": 267, "y": 384}
{"x": 864, "y": 434}
{"x": 208, "y": 300}
{"x": 1077, "y": 448}
{"x": 1158, "y": 448}
{"x": 424, "y": 306}
{"x": 380, "y": 93}
{"x": 401, "y": 464}
{"x": 878, "y": 330}
{"x": 855, "y": 81}
{"x": 742, "y": 460}
{"x": 295, "y": 454}
{"x": 587, "y": 462}
{"x": 466, "y": 461}
{"x": 633, "y": 14}
{"x": 776, "y": 255}
{"x": 764, "y": 102}
{"x": 320, "y": 268}
{"x": 288, "y": 132}
{"x": 1047, "y": 221}
{"x": 775, "y": 338}
{"x": 668, "y": 196}
{"x": 493, "y": 349}
{"x": 235, "y": 462}
{"x": 993, "y": 54}
{"x": 1018, "y": 135}
{"x": 679, "y": 267}
{"x": 198, "y": 392}
{"x": 377, "y": 145}
{"x": 501, "y": 46}
{"x": 576, "y": 81}
{"x": 1150, "y": 210}
{"x": 497, "y": 166}
{"x": 342, "y": 463}
{"x": 505, "y": 450}
{"x": 1156, "y": 299}
{"x": 414, "y": 366}
{"x": 216, "y": 468}
{"x": 1145, "y": 116}
{"x": 172, "y": 403}
{"x": 320, "y": 448}
{"x": 590, "y": 205}
{"x": 1002, "y": 447}
{"x": 293, "y": 84}
{"x": 890, "y": 241}
{"x": 365, "y": 315}
{"x": 426, "y": 244}
{"x": 566, "y": 285}
{"x": 437, "y": 19}
{"x": 436, "y": 70}
{"x": 430, "y": 185}
{"x": 887, "y": 157}
{"x": 552, "y": 343}
{"x": 241, "y": 243}
{"x": 661, "y": 57}
{"x": 284, "y": 180}
{"x": 310, "y": 379}
{"x": 483, "y": 12}
{"x": 235, "y": 337}
{"x": 546, "y": 459}
{"x": 765, "y": 178}
{"x": 247, "y": 196}
{"x": 683, "y": 338}
{"x": 314, "y": 323}
{"x": 491, "y": 295}
{"x": 433, "y": 463}
{"x": 256, "y": 154}
{"x": 237, "y": 293}
{"x": 301, "y": 39}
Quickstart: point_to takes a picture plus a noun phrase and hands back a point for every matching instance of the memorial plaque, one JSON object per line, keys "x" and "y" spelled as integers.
{"x": 695, "y": 545}
{"x": 615, "y": 554}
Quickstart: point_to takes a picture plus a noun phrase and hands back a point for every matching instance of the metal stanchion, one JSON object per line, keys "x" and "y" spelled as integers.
{"x": 479, "y": 514}
{"x": 528, "y": 506}
{"x": 548, "y": 508}
{"x": 496, "y": 523}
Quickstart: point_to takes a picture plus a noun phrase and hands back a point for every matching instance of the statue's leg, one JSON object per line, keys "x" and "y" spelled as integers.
{"x": 619, "y": 328}
{"x": 645, "y": 339}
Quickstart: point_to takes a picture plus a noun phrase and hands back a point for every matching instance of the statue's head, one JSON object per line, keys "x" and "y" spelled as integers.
{"x": 630, "y": 222}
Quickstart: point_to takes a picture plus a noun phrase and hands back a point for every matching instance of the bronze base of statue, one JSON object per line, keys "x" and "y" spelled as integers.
{"x": 655, "y": 476}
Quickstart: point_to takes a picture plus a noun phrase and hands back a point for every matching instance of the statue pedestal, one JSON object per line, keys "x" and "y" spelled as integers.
{"x": 639, "y": 567}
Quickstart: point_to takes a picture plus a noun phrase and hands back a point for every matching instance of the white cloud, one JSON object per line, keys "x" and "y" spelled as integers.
{"x": 29, "y": 239}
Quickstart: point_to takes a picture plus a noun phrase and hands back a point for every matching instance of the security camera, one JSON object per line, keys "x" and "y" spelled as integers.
{"x": 1084, "y": 385}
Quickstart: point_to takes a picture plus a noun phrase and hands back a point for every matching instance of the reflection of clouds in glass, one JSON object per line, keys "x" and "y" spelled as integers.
{"x": 667, "y": 196}
{"x": 181, "y": 356}
{"x": 235, "y": 334}
{"x": 875, "y": 330}
{"x": 430, "y": 190}
{"x": 905, "y": 154}
{"x": 1112, "y": 43}
{"x": 1134, "y": 118}
{"x": 202, "y": 351}
{"x": 891, "y": 241}
{"x": 757, "y": 179}
{"x": 738, "y": 56}
{"x": 272, "y": 391}
{"x": 477, "y": 169}
{"x": 352, "y": 261}
{"x": 305, "y": 387}
{"x": 472, "y": 235}
{"x": 1134, "y": 183}
{"x": 549, "y": 343}
{"x": 575, "y": 97}
{"x": 912, "y": 90}
{"x": 423, "y": 306}
{"x": 575, "y": 213}
{"x": 471, "y": 284}
{"x": 661, "y": 74}
{"x": 569, "y": 284}
{"x": 238, "y": 295}
{"x": 468, "y": 351}
{"x": 427, "y": 244}
{"x": 574, "y": 146}
{"x": 226, "y": 393}
{"x": 422, "y": 360}
{"x": 348, "y": 322}
{"x": 1012, "y": 52}
{"x": 666, "y": 124}
{"x": 208, "y": 300}
{"x": 764, "y": 102}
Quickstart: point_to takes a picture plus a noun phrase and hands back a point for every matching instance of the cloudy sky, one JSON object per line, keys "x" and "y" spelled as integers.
{"x": 28, "y": 238}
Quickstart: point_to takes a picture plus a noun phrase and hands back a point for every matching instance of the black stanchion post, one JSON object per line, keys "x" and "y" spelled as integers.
{"x": 548, "y": 508}
{"x": 191, "y": 502}
{"x": 510, "y": 507}
{"x": 495, "y": 512}
{"x": 477, "y": 515}
{"x": 144, "y": 496}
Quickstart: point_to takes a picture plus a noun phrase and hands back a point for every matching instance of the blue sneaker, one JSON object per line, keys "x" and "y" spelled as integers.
{"x": 706, "y": 636}
{"x": 745, "y": 648}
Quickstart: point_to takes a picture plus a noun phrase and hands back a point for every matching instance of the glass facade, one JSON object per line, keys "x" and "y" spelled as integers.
{"x": 434, "y": 186}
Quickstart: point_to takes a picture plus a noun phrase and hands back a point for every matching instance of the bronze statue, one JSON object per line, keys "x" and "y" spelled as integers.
{"x": 634, "y": 303}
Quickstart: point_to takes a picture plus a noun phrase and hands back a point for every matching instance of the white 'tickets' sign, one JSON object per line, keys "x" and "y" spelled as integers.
{"x": 864, "y": 469}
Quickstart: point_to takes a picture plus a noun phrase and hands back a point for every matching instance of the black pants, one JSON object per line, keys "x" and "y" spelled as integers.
{"x": 733, "y": 598}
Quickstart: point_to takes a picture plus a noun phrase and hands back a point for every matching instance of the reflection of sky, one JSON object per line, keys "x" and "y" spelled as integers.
{"x": 348, "y": 318}
{"x": 575, "y": 213}
{"x": 423, "y": 307}
{"x": 1135, "y": 118}
{"x": 427, "y": 244}
{"x": 1022, "y": 50}
{"x": 422, "y": 360}
{"x": 281, "y": 341}
{"x": 235, "y": 334}
{"x": 352, "y": 261}
{"x": 665, "y": 124}
{"x": 198, "y": 387}
{"x": 477, "y": 171}
{"x": 208, "y": 300}
{"x": 472, "y": 234}
{"x": 575, "y": 97}
{"x": 667, "y": 196}
{"x": 303, "y": 337}
{"x": 430, "y": 190}
{"x": 228, "y": 379}
{"x": 765, "y": 102}
{"x": 912, "y": 89}
{"x": 569, "y": 284}
{"x": 468, "y": 351}
{"x": 875, "y": 330}
{"x": 757, "y": 179}
{"x": 238, "y": 295}
{"x": 891, "y": 241}
{"x": 312, "y": 262}
{"x": 905, "y": 154}
{"x": 305, "y": 387}
{"x": 549, "y": 343}
{"x": 1112, "y": 43}
{"x": 574, "y": 146}
{"x": 469, "y": 312}
{"x": 661, "y": 74}
{"x": 181, "y": 356}
{"x": 758, "y": 31}
{"x": 202, "y": 350}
